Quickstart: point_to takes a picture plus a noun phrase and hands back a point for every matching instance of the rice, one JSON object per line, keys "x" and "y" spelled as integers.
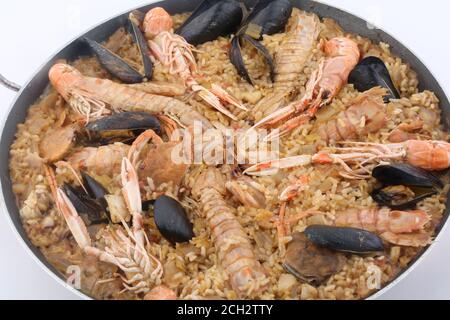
{"x": 193, "y": 269}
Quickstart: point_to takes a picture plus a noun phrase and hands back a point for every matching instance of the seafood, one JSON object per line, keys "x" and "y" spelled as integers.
{"x": 428, "y": 155}
{"x": 344, "y": 239}
{"x": 290, "y": 59}
{"x": 176, "y": 53}
{"x": 324, "y": 84}
{"x": 247, "y": 191}
{"x": 126, "y": 248}
{"x": 367, "y": 114}
{"x": 371, "y": 72}
{"x": 211, "y": 19}
{"x": 161, "y": 293}
{"x": 310, "y": 263}
{"x": 266, "y": 18}
{"x": 234, "y": 249}
{"x": 126, "y": 121}
{"x": 57, "y": 143}
{"x": 172, "y": 221}
{"x": 404, "y": 186}
{"x": 93, "y": 98}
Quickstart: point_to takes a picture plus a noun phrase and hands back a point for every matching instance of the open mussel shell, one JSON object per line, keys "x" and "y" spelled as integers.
{"x": 135, "y": 20}
{"x": 212, "y": 19}
{"x": 85, "y": 205}
{"x": 401, "y": 197}
{"x": 172, "y": 221}
{"x": 344, "y": 239}
{"x": 114, "y": 64}
{"x": 267, "y": 17}
{"x": 238, "y": 62}
{"x": 404, "y": 186}
{"x": 117, "y": 66}
{"x": 126, "y": 121}
{"x": 311, "y": 263}
{"x": 371, "y": 72}
{"x": 407, "y": 175}
{"x": 95, "y": 189}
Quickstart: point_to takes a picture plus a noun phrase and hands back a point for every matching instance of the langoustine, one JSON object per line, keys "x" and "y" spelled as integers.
{"x": 358, "y": 159}
{"x": 290, "y": 59}
{"x": 126, "y": 248}
{"x": 94, "y": 97}
{"x": 234, "y": 249}
{"x": 176, "y": 53}
{"x": 325, "y": 84}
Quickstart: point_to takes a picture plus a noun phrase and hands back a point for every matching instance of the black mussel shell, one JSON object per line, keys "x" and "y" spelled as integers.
{"x": 372, "y": 72}
{"x": 344, "y": 239}
{"x": 407, "y": 175}
{"x": 126, "y": 121}
{"x": 268, "y": 17}
{"x": 147, "y": 204}
{"x": 135, "y": 19}
{"x": 95, "y": 189}
{"x": 238, "y": 62}
{"x": 401, "y": 197}
{"x": 85, "y": 205}
{"x": 212, "y": 19}
{"x": 311, "y": 263}
{"x": 172, "y": 221}
{"x": 114, "y": 64}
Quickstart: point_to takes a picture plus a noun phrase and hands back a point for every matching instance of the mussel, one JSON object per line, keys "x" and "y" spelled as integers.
{"x": 311, "y": 263}
{"x": 117, "y": 66}
{"x": 210, "y": 20}
{"x": 172, "y": 221}
{"x": 404, "y": 186}
{"x": 266, "y": 18}
{"x": 92, "y": 203}
{"x": 372, "y": 72}
{"x": 122, "y": 127}
{"x": 344, "y": 239}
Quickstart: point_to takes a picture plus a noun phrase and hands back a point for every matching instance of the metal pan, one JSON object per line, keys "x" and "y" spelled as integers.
{"x": 32, "y": 90}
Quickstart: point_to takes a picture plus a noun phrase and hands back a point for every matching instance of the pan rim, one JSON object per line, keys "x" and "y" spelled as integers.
{"x": 404, "y": 273}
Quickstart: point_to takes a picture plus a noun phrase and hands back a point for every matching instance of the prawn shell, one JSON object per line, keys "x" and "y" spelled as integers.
{"x": 212, "y": 19}
{"x": 371, "y": 72}
{"x": 126, "y": 121}
{"x": 407, "y": 175}
{"x": 172, "y": 221}
{"x": 114, "y": 64}
{"x": 344, "y": 239}
{"x": 271, "y": 16}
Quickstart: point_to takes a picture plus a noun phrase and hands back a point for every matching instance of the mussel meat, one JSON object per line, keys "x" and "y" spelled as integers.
{"x": 344, "y": 239}
{"x": 404, "y": 186}
{"x": 211, "y": 19}
{"x": 117, "y": 66}
{"x": 266, "y": 18}
{"x": 310, "y": 263}
{"x": 172, "y": 220}
{"x": 372, "y": 72}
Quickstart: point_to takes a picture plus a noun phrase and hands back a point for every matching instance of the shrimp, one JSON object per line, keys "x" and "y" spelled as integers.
{"x": 174, "y": 52}
{"x": 234, "y": 249}
{"x": 325, "y": 83}
{"x": 248, "y": 192}
{"x": 125, "y": 248}
{"x": 367, "y": 114}
{"x": 358, "y": 158}
{"x": 404, "y": 228}
{"x": 105, "y": 160}
{"x": 291, "y": 57}
{"x": 94, "y": 98}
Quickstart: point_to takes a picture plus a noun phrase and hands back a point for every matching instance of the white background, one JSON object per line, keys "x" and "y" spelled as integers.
{"x": 33, "y": 30}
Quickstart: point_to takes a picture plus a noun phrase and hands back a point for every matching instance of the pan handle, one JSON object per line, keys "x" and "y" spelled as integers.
{"x": 9, "y": 84}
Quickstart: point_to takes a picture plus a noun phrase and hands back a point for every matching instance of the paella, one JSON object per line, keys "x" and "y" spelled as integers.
{"x": 232, "y": 153}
